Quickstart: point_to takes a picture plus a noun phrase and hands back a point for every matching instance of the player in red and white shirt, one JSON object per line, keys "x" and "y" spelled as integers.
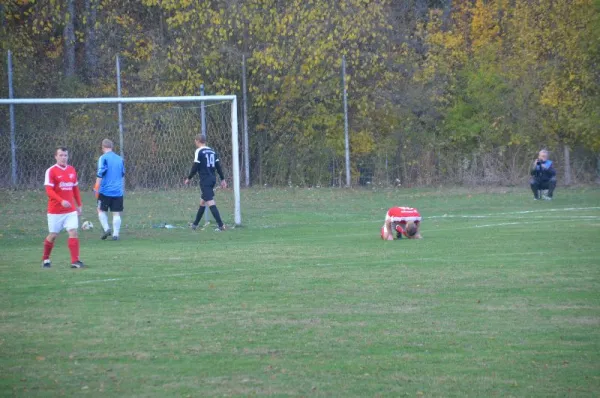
{"x": 64, "y": 207}
{"x": 405, "y": 221}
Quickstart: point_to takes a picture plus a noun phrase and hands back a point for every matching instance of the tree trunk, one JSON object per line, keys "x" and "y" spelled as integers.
{"x": 2, "y": 19}
{"x": 91, "y": 54}
{"x": 567, "y": 164}
{"x": 69, "y": 36}
{"x": 259, "y": 158}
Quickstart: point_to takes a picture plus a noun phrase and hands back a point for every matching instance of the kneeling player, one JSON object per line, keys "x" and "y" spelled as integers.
{"x": 404, "y": 221}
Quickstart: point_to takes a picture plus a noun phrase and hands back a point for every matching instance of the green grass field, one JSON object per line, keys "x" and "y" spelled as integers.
{"x": 500, "y": 298}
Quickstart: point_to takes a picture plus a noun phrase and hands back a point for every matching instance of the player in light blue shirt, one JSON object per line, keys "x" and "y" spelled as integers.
{"x": 110, "y": 188}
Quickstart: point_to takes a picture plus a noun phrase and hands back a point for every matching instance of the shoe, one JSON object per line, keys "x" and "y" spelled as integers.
{"x": 77, "y": 264}
{"x": 536, "y": 198}
{"x": 116, "y": 237}
{"x": 194, "y": 226}
{"x": 47, "y": 263}
{"x": 106, "y": 234}
{"x": 547, "y": 197}
{"x": 220, "y": 229}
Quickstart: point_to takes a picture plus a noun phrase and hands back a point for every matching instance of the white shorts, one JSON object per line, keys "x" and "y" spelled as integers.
{"x": 58, "y": 222}
{"x": 402, "y": 220}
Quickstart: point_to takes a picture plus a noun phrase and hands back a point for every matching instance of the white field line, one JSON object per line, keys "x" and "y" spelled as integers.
{"x": 426, "y": 231}
{"x": 517, "y": 215}
{"x": 501, "y": 224}
{"x": 553, "y": 218}
{"x": 514, "y": 212}
{"x": 507, "y": 223}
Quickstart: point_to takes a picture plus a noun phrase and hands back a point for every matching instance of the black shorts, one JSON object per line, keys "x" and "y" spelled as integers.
{"x": 208, "y": 190}
{"x": 112, "y": 203}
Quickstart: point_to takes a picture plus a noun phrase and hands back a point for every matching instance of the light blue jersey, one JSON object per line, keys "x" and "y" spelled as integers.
{"x": 111, "y": 169}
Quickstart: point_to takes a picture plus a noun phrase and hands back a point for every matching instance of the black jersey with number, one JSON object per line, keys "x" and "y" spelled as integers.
{"x": 206, "y": 161}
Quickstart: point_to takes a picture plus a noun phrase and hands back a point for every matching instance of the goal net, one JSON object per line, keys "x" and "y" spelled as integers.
{"x": 156, "y": 139}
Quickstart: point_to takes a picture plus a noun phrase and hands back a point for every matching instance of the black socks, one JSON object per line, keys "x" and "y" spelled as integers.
{"x": 199, "y": 215}
{"x": 216, "y": 215}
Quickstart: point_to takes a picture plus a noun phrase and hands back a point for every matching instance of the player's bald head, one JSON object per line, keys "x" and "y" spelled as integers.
{"x": 411, "y": 229}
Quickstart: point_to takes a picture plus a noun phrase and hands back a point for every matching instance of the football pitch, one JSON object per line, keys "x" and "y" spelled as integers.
{"x": 501, "y": 297}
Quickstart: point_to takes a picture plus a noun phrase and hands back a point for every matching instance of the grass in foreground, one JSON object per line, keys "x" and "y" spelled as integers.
{"x": 499, "y": 298}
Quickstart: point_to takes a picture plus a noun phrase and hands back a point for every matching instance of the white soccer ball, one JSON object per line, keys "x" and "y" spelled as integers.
{"x": 87, "y": 225}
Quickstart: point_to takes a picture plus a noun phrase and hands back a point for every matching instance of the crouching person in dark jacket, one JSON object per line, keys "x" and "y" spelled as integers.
{"x": 543, "y": 176}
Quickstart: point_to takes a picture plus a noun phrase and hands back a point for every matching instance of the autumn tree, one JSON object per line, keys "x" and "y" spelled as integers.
{"x": 439, "y": 90}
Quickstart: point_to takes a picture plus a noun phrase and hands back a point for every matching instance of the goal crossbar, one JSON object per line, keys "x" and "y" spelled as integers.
{"x": 130, "y": 100}
{"x": 115, "y": 100}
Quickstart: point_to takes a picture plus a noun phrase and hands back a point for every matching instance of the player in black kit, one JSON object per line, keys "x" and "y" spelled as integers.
{"x": 206, "y": 161}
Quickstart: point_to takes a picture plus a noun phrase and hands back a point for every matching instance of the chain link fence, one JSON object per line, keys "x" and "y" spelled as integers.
{"x": 158, "y": 146}
{"x": 158, "y": 141}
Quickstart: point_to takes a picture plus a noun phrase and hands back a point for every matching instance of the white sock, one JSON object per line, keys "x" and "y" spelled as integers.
{"x": 103, "y": 220}
{"x": 116, "y": 224}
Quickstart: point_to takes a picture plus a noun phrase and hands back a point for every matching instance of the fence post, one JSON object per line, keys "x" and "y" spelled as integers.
{"x": 346, "y": 138}
{"x": 120, "y": 106}
{"x": 245, "y": 101}
{"x": 11, "y": 110}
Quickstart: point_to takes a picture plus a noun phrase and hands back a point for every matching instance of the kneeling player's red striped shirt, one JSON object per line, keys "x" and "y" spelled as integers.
{"x": 404, "y": 214}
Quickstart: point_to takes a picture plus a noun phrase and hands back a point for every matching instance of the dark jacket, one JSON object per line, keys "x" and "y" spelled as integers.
{"x": 543, "y": 171}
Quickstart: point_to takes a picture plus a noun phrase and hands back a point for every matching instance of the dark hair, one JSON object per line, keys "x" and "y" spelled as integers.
{"x": 61, "y": 148}
{"x": 201, "y": 138}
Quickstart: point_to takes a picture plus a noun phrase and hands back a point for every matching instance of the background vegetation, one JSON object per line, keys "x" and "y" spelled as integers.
{"x": 439, "y": 90}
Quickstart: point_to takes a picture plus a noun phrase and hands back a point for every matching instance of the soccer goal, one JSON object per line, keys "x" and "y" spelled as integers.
{"x": 154, "y": 134}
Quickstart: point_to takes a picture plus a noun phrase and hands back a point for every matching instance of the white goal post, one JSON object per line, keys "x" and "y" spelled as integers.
{"x": 232, "y": 99}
